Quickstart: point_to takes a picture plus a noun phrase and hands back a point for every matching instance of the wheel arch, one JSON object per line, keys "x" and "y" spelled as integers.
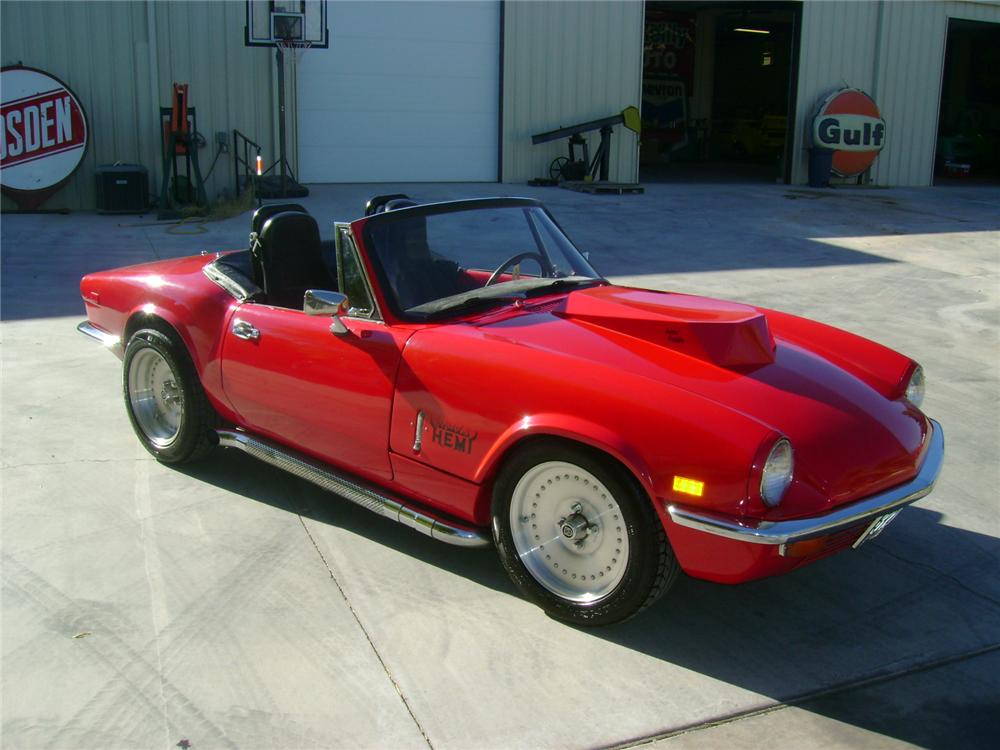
{"x": 568, "y": 429}
{"x": 194, "y": 433}
{"x": 201, "y": 344}
{"x": 162, "y": 320}
{"x": 650, "y": 567}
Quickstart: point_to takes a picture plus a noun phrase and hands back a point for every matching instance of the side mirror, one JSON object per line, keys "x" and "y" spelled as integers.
{"x": 326, "y": 303}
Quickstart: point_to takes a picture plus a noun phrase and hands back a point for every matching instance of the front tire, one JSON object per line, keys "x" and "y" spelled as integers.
{"x": 164, "y": 399}
{"x": 578, "y": 536}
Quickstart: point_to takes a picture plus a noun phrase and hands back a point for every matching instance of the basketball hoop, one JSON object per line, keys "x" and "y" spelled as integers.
{"x": 292, "y": 49}
{"x": 292, "y": 27}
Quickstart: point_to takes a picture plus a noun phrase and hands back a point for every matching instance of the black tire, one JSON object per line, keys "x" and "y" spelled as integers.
{"x": 187, "y": 433}
{"x": 650, "y": 569}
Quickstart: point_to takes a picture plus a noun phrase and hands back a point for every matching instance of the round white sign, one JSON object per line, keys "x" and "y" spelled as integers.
{"x": 44, "y": 130}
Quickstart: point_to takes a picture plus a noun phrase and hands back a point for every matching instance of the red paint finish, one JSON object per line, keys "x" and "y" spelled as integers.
{"x": 880, "y": 367}
{"x": 179, "y": 293}
{"x": 302, "y": 385}
{"x": 725, "y": 333}
{"x": 682, "y": 415}
{"x": 666, "y": 384}
{"x": 436, "y": 488}
{"x": 583, "y": 383}
{"x": 728, "y": 560}
{"x": 732, "y": 561}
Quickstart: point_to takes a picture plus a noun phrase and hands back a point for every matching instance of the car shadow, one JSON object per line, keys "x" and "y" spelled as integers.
{"x": 243, "y": 475}
{"x": 923, "y": 591}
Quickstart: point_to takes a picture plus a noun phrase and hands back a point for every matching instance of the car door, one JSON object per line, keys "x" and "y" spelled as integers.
{"x": 330, "y": 395}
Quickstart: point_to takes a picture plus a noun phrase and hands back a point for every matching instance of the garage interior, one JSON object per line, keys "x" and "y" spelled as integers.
{"x": 968, "y": 144}
{"x": 718, "y": 86}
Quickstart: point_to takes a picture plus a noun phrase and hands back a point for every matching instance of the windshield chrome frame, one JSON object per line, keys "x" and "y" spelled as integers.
{"x": 338, "y": 249}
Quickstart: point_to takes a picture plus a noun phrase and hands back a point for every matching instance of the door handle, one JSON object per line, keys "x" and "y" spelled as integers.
{"x": 244, "y": 330}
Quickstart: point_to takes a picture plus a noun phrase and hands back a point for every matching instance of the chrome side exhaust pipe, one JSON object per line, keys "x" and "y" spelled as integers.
{"x": 304, "y": 467}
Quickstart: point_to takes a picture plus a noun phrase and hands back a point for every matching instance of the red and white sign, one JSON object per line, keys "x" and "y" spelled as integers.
{"x": 44, "y": 133}
{"x": 849, "y": 123}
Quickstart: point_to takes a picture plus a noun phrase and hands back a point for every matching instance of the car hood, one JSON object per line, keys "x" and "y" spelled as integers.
{"x": 850, "y": 439}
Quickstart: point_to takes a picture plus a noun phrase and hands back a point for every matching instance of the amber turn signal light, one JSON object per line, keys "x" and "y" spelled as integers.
{"x": 806, "y": 548}
{"x": 689, "y": 486}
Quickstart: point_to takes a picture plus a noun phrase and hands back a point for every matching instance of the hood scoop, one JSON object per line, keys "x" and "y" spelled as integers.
{"x": 727, "y": 334}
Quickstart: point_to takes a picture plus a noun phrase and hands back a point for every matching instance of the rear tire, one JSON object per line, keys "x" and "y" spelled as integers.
{"x": 578, "y": 535}
{"x": 164, "y": 399}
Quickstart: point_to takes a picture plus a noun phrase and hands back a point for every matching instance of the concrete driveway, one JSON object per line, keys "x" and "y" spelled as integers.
{"x": 231, "y": 605}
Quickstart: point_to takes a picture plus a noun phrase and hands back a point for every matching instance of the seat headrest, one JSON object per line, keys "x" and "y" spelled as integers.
{"x": 399, "y": 203}
{"x": 263, "y": 213}
{"x": 289, "y": 233}
{"x": 379, "y": 203}
{"x": 291, "y": 259}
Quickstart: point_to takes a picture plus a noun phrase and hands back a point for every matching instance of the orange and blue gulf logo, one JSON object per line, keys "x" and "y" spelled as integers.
{"x": 849, "y": 123}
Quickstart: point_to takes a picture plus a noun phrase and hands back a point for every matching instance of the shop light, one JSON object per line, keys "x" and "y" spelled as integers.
{"x": 752, "y": 31}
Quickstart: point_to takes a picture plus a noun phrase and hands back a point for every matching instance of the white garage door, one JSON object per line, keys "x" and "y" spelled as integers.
{"x": 407, "y": 92}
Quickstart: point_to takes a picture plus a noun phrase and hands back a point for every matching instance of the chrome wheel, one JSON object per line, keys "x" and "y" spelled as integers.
{"x": 568, "y": 531}
{"x": 156, "y": 397}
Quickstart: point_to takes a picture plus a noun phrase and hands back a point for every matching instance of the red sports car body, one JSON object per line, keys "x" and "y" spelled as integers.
{"x": 601, "y": 436}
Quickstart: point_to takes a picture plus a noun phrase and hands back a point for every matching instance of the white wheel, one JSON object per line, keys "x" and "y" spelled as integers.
{"x": 577, "y": 533}
{"x": 568, "y": 531}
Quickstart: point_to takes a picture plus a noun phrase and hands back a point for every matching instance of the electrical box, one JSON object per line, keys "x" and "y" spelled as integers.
{"x": 122, "y": 189}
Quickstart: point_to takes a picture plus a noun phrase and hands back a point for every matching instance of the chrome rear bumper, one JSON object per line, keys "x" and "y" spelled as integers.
{"x": 110, "y": 341}
{"x": 799, "y": 529}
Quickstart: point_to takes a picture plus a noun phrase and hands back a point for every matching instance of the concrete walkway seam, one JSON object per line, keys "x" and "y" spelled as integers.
{"x": 354, "y": 613}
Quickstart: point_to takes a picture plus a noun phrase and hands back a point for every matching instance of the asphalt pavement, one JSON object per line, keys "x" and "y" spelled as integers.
{"x": 227, "y": 604}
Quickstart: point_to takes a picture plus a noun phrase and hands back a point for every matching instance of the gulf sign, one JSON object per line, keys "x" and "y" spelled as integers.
{"x": 44, "y": 130}
{"x": 849, "y": 123}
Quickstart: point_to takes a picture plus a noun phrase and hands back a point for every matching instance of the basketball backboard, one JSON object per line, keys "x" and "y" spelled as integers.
{"x": 271, "y": 21}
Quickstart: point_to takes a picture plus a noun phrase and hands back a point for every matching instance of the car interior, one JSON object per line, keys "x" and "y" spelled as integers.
{"x": 287, "y": 259}
{"x": 286, "y": 256}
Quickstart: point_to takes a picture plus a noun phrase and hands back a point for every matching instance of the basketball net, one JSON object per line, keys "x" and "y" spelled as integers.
{"x": 292, "y": 50}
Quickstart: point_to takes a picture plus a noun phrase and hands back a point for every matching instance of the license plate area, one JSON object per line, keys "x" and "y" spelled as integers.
{"x": 876, "y": 527}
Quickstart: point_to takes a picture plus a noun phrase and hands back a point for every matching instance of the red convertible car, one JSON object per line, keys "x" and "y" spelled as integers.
{"x": 462, "y": 369}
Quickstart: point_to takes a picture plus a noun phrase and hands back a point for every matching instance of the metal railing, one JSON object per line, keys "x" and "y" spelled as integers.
{"x": 246, "y": 155}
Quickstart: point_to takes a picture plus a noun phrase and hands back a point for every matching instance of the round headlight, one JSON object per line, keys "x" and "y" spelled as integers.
{"x": 915, "y": 390}
{"x": 777, "y": 475}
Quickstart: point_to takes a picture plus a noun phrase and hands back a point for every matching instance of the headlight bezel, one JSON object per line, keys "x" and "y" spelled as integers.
{"x": 774, "y": 486}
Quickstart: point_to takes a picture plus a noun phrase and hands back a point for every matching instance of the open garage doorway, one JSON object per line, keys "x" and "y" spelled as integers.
{"x": 968, "y": 144}
{"x": 718, "y": 88}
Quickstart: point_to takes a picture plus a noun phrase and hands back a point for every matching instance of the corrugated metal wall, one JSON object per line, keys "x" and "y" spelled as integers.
{"x": 566, "y": 63}
{"x": 895, "y": 52}
{"x": 103, "y": 51}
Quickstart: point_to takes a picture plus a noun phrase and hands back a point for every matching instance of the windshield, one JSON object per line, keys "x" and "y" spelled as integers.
{"x": 449, "y": 259}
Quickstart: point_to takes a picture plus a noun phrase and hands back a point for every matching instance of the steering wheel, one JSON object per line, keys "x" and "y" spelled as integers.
{"x": 543, "y": 262}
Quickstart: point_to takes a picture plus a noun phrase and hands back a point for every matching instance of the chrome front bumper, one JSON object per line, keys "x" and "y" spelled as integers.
{"x": 799, "y": 529}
